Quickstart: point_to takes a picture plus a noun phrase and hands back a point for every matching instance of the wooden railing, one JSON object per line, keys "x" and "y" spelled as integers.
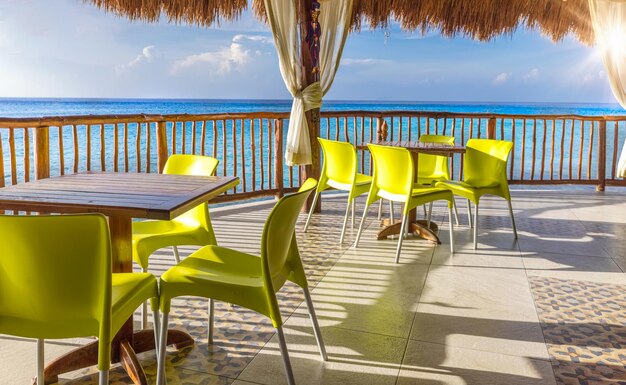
{"x": 548, "y": 149}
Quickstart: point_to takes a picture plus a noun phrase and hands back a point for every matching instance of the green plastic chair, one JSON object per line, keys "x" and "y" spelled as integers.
{"x": 484, "y": 172}
{"x": 56, "y": 282}
{"x": 228, "y": 275}
{"x": 339, "y": 171}
{"x": 393, "y": 180}
{"x": 434, "y": 168}
{"x": 191, "y": 228}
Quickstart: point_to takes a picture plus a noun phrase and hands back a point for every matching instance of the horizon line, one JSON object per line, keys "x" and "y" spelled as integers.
{"x": 386, "y": 101}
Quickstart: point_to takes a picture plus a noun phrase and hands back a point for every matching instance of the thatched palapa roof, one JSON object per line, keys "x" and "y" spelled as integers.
{"x": 479, "y": 19}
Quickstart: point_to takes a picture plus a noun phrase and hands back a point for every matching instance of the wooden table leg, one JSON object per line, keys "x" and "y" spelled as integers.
{"x": 126, "y": 342}
{"x": 417, "y": 227}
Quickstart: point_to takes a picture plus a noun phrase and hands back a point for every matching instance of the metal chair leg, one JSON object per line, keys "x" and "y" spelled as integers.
{"x": 353, "y": 211}
{"x": 475, "y": 225}
{"x": 380, "y": 209}
{"x": 308, "y": 218}
{"x": 285, "y": 354}
{"x": 157, "y": 328}
{"x": 176, "y": 255}
{"x": 211, "y": 311}
{"x": 430, "y": 214}
{"x": 40, "y": 361}
{"x": 316, "y": 326}
{"x": 451, "y": 230}
{"x": 345, "y": 222}
{"x": 358, "y": 234}
{"x": 469, "y": 213}
{"x": 104, "y": 377}
{"x": 161, "y": 353}
{"x": 391, "y": 211}
{"x": 512, "y": 219}
{"x": 456, "y": 212}
{"x": 144, "y": 310}
{"x": 405, "y": 219}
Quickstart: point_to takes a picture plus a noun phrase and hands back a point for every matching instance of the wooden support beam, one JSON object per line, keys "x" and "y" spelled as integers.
{"x": 313, "y": 116}
{"x": 278, "y": 157}
{"x": 42, "y": 152}
{"x": 161, "y": 138}
{"x": 491, "y": 128}
{"x": 601, "y": 156}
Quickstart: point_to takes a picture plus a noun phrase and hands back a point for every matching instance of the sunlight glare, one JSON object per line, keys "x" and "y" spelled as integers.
{"x": 614, "y": 40}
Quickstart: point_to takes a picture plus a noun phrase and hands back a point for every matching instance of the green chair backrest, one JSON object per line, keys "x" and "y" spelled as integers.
{"x": 433, "y": 167}
{"x": 278, "y": 243}
{"x": 55, "y": 276}
{"x": 393, "y": 169}
{"x": 340, "y": 161}
{"x": 485, "y": 162}
{"x": 185, "y": 164}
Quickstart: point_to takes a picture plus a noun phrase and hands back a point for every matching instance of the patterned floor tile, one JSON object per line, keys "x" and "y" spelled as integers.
{"x": 584, "y": 326}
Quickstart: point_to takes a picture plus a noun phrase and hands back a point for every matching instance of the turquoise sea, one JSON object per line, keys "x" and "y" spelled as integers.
{"x": 59, "y": 107}
{"x": 56, "y": 107}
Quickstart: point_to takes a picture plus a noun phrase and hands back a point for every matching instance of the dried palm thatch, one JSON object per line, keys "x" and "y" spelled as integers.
{"x": 478, "y": 19}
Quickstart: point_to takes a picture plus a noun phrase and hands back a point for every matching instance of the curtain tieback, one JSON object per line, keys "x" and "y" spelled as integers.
{"x": 311, "y": 96}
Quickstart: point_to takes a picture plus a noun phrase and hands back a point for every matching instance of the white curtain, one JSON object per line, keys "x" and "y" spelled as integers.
{"x": 335, "y": 19}
{"x": 609, "y": 26}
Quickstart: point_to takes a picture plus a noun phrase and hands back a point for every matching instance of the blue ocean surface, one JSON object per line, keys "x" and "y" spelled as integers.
{"x": 27, "y": 107}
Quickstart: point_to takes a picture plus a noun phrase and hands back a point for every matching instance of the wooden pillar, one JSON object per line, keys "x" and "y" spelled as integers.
{"x": 491, "y": 128}
{"x": 313, "y": 116}
{"x": 601, "y": 156}
{"x": 42, "y": 152}
{"x": 382, "y": 130}
{"x": 161, "y": 139}
{"x": 278, "y": 157}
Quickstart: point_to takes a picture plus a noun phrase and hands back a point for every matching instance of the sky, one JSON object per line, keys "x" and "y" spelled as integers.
{"x": 66, "y": 48}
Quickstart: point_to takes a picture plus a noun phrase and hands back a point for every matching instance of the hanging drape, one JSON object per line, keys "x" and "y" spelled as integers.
{"x": 335, "y": 18}
{"x": 609, "y": 26}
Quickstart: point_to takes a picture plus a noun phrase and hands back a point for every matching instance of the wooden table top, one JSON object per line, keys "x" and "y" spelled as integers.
{"x": 423, "y": 147}
{"x": 136, "y": 195}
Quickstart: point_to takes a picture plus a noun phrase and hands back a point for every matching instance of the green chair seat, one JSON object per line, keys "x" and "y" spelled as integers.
{"x": 129, "y": 291}
{"x": 150, "y": 236}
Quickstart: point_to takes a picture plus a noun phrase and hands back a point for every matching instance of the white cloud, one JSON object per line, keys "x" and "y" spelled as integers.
{"x": 256, "y": 38}
{"x": 594, "y": 78}
{"x": 226, "y": 59}
{"x": 364, "y": 62}
{"x": 145, "y": 55}
{"x": 502, "y": 78}
{"x": 532, "y": 75}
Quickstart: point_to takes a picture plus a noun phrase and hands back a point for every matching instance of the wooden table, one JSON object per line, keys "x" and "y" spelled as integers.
{"x": 420, "y": 228}
{"x": 121, "y": 197}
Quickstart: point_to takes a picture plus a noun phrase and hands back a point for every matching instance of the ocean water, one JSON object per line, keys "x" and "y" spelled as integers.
{"x": 58, "y": 107}
{"x": 225, "y": 149}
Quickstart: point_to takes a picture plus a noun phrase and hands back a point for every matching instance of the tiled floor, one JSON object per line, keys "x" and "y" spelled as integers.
{"x": 548, "y": 309}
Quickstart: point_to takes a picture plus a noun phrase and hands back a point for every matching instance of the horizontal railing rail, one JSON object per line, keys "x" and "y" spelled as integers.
{"x": 548, "y": 149}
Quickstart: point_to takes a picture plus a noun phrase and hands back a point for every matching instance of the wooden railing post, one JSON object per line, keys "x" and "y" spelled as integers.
{"x": 161, "y": 139}
{"x": 42, "y": 152}
{"x": 382, "y": 130}
{"x": 491, "y": 128}
{"x": 601, "y": 156}
{"x": 278, "y": 157}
